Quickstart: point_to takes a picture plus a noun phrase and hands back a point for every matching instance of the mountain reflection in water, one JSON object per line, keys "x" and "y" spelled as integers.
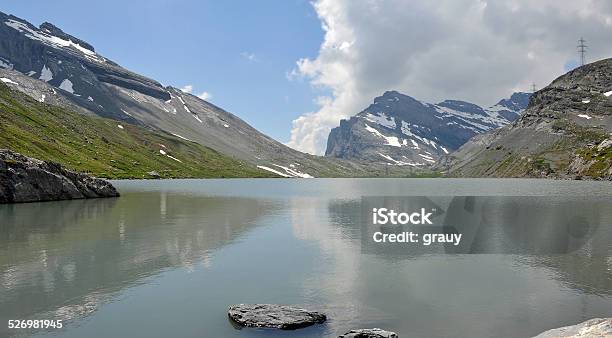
{"x": 168, "y": 257}
{"x": 63, "y": 259}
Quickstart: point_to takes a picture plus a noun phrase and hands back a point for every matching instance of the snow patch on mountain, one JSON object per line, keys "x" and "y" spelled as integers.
{"x": 184, "y": 105}
{"x": 294, "y": 172}
{"x": 7, "y": 80}
{"x": 181, "y": 137}
{"x": 273, "y": 171}
{"x": 67, "y": 86}
{"x": 391, "y": 140}
{"x": 4, "y": 63}
{"x": 49, "y": 39}
{"x": 46, "y": 74}
{"x": 427, "y": 158}
{"x": 398, "y": 162}
{"x": 381, "y": 119}
{"x": 286, "y": 171}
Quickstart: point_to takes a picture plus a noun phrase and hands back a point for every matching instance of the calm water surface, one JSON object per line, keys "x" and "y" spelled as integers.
{"x": 168, "y": 257}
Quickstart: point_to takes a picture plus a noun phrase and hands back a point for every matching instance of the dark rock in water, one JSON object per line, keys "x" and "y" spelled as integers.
{"x": 369, "y": 333}
{"x": 24, "y": 179}
{"x": 274, "y": 316}
{"x": 596, "y": 327}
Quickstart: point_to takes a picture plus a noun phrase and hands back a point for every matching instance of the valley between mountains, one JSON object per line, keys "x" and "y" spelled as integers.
{"x": 62, "y": 101}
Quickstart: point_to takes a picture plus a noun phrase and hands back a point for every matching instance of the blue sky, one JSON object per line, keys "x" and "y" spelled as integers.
{"x": 238, "y": 51}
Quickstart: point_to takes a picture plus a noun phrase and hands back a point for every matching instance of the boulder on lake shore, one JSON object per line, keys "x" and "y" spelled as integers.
{"x": 595, "y": 328}
{"x": 369, "y": 333}
{"x": 274, "y": 316}
{"x": 25, "y": 179}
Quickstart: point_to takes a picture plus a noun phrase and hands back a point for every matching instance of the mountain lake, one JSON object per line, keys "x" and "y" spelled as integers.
{"x": 168, "y": 257}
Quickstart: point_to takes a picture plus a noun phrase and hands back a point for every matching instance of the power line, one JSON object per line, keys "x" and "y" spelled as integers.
{"x": 582, "y": 47}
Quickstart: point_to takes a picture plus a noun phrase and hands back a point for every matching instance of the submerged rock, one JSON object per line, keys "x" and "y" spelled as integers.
{"x": 25, "y": 179}
{"x": 596, "y": 327}
{"x": 274, "y": 316}
{"x": 369, "y": 333}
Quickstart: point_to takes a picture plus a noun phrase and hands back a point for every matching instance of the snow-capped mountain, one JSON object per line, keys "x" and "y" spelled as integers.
{"x": 399, "y": 130}
{"x": 512, "y": 108}
{"x": 57, "y": 68}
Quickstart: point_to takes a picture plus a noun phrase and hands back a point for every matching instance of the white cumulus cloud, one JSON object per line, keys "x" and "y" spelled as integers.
{"x": 187, "y": 89}
{"x": 203, "y": 95}
{"x": 251, "y": 57}
{"x": 474, "y": 50}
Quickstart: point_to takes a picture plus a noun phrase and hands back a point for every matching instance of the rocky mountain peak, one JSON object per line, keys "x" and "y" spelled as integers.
{"x": 55, "y": 31}
{"x": 400, "y": 130}
{"x": 518, "y": 100}
{"x": 71, "y": 65}
{"x": 463, "y": 106}
{"x": 57, "y": 68}
{"x": 580, "y": 89}
{"x": 393, "y": 96}
{"x": 596, "y": 77}
{"x": 564, "y": 132}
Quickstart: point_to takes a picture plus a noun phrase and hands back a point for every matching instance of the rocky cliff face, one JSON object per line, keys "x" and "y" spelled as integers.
{"x": 402, "y": 131}
{"x": 564, "y": 133}
{"x": 55, "y": 67}
{"x": 24, "y": 179}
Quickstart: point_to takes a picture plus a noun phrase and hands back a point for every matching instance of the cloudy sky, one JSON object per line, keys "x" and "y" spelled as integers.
{"x": 294, "y": 68}
{"x": 475, "y": 50}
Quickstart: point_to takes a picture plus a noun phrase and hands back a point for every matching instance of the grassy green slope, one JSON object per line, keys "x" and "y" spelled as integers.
{"x": 99, "y": 147}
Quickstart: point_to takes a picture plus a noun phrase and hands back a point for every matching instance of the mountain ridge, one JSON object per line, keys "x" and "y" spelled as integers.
{"x": 399, "y": 130}
{"x": 566, "y": 132}
{"x": 56, "y": 67}
{"x": 104, "y": 147}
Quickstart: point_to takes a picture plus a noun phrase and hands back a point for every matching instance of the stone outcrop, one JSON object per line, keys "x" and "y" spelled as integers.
{"x": 564, "y": 133}
{"x": 593, "y": 328}
{"x": 25, "y": 179}
{"x": 274, "y": 316}
{"x": 369, "y": 333}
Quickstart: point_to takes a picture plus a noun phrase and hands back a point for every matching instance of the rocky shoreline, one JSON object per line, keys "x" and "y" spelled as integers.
{"x": 25, "y": 179}
{"x": 594, "y": 328}
{"x": 283, "y": 317}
